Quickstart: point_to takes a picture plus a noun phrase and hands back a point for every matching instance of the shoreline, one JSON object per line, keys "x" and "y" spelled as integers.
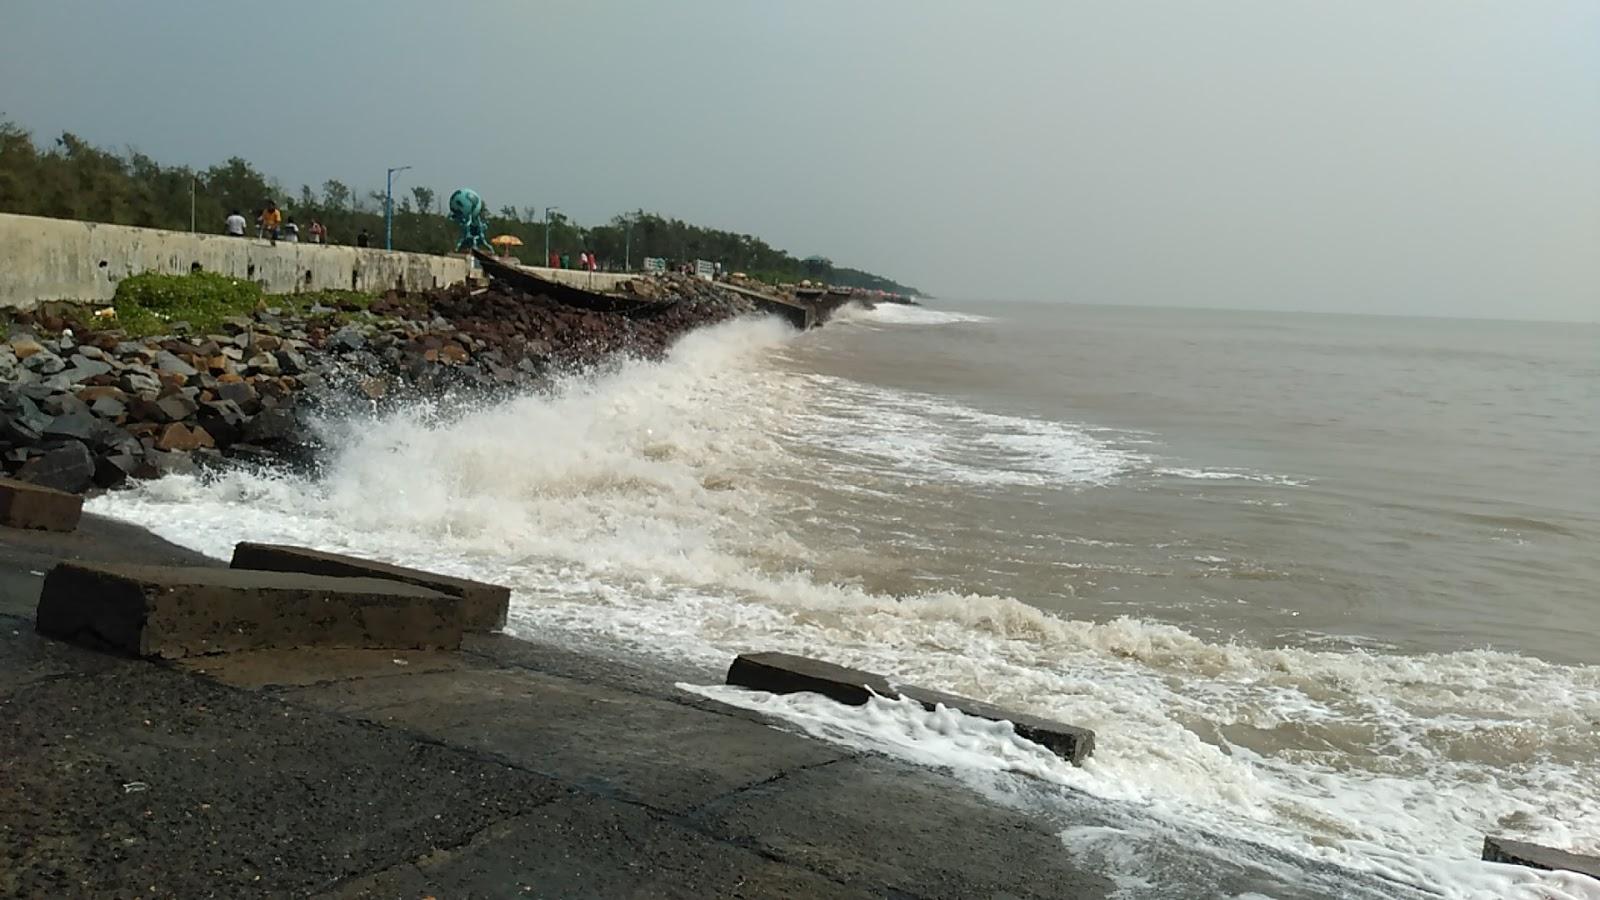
{"x": 508, "y": 767}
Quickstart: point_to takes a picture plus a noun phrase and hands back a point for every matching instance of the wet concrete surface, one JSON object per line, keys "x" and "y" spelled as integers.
{"x": 507, "y": 769}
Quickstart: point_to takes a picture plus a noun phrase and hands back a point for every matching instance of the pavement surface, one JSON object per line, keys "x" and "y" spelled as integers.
{"x": 507, "y": 769}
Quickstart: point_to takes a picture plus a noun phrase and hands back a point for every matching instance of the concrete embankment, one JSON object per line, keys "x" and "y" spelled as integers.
{"x": 62, "y": 259}
{"x": 503, "y": 769}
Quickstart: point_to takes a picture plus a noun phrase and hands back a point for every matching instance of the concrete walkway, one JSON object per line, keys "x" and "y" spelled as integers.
{"x": 505, "y": 770}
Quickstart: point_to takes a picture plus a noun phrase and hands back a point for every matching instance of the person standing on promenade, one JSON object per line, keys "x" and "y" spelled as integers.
{"x": 291, "y": 231}
{"x": 271, "y": 219}
{"x": 233, "y": 226}
{"x": 319, "y": 234}
{"x": 363, "y": 239}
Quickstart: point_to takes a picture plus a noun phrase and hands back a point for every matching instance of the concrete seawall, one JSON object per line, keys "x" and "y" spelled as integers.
{"x": 61, "y": 259}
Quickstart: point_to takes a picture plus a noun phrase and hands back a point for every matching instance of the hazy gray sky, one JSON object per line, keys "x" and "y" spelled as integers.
{"x": 1410, "y": 156}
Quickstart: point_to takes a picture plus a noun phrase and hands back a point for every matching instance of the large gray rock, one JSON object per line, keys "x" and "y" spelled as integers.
{"x": 222, "y": 419}
{"x": 292, "y": 363}
{"x": 108, "y": 408}
{"x": 69, "y": 467}
{"x": 44, "y": 363}
{"x": 483, "y": 606}
{"x": 155, "y": 611}
{"x": 167, "y": 362}
{"x": 117, "y": 465}
{"x": 157, "y": 463}
{"x": 81, "y": 426}
{"x": 84, "y": 369}
{"x": 241, "y": 393}
{"x": 140, "y": 380}
{"x": 134, "y": 350}
{"x": 264, "y": 364}
{"x": 272, "y": 426}
{"x": 348, "y": 338}
{"x": 176, "y": 407}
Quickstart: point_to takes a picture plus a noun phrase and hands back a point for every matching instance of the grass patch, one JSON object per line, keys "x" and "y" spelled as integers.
{"x": 151, "y": 303}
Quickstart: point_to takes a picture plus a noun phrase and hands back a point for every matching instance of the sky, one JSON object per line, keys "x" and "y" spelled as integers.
{"x": 1422, "y": 157}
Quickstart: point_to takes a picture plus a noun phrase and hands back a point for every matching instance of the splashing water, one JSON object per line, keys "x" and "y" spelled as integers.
{"x": 663, "y": 507}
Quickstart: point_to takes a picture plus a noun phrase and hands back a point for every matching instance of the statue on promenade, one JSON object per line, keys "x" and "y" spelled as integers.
{"x": 466, "y": 210}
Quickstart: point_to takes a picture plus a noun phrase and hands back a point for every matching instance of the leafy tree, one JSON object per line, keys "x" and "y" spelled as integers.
{"x": 336, "y": 194}
{"x": 71, "y": 178}
{"x": 424, "y": 197}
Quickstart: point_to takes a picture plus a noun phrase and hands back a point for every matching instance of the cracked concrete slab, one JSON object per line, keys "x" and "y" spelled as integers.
{"x": 147, "y": 779}
{"x": 668, "y": 756}
{"x": 585, "y": 846}
{"x": 827, "y": 818}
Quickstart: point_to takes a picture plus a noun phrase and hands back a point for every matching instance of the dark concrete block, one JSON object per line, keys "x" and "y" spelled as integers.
{"x": 24, "y": 505}
{"x": 483, "y": 606}
{"x": 1534, "y": 856}
{"x": 1069, "y": 742}
{"x": 784, "y": 673}
{"x": 156, "y": 611}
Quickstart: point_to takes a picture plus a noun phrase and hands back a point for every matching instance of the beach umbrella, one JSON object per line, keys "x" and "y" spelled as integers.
{"x": 504, "y": 241}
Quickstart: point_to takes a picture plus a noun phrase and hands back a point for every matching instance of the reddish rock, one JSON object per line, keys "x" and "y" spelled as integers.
{"x": 181, "y": 437}
{"x": 91, "y": 394}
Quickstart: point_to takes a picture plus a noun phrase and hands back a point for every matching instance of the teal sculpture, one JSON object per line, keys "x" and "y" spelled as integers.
{"x": 466, "y": 210}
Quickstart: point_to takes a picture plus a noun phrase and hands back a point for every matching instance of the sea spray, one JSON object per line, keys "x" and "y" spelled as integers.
{"x": 650, "y": 507}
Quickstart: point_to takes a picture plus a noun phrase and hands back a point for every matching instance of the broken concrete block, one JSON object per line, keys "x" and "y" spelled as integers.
{"x": 483, "y": 606}
{"x": 1069, "y": 742}
{"x": 784, "y": 673}
{"x": 24, "y": 505}
{"x": 171, "y": 612}
{"x": 1534, "y": 856}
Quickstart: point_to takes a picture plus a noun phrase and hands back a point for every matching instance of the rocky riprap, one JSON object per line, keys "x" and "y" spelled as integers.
{"x": 83, "y": 406}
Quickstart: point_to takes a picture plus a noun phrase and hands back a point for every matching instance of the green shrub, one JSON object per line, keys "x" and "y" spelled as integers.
{"x": 149, "y": 303}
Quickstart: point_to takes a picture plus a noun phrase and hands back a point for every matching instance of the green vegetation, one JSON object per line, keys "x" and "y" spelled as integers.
{"x": 75, "y": 180}
{"x": 151, "y": 303}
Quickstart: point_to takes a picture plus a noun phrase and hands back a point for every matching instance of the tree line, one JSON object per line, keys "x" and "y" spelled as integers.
{"x": 73, "y": 179}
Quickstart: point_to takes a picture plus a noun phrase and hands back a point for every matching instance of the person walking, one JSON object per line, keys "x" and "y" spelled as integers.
{"x": 319, "y": 234}
{"x": 234, "y": 225}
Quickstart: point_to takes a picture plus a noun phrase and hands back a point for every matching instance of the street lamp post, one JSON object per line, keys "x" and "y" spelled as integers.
{"x": 191, "y": 204}
{"x": 627, "y": 245}
{"x": 388, "y": 206}
{"x": 547, "y": 211}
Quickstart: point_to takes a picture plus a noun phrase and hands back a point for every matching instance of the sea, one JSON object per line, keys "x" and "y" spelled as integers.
{"x": 1326, "y": 587}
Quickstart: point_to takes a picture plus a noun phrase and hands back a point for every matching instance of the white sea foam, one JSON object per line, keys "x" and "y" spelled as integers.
{"x": 640, "y": 508}
{"x": 926, "y": 438}
{"x": 904, "y": 314}
{"x": 1230, "y": 475}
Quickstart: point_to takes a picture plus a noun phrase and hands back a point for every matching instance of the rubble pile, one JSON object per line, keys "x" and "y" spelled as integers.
{"x": 83, "y": 405}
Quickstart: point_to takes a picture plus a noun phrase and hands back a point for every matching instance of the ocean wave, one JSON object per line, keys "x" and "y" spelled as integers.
{"x": 904, "y": 314}
{"x": 637, "y": 508}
